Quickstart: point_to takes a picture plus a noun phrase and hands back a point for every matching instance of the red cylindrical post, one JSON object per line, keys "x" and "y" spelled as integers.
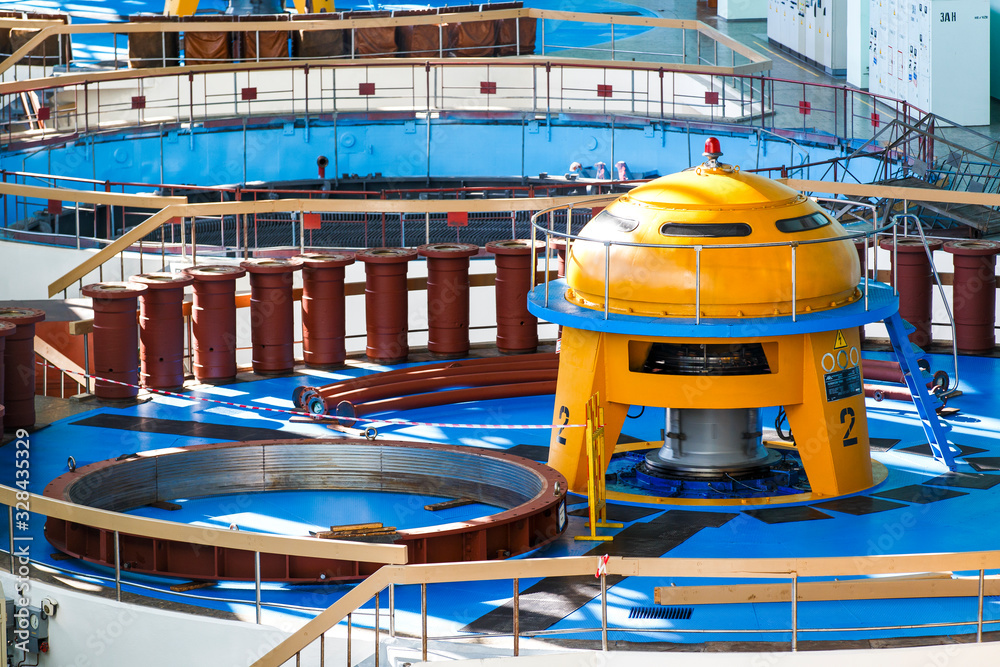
{"x": 213, "y": 320}
{"x": 448, "y": 297}
{"x": 323, "y": 310}
{"x": 161, "y": 329}
{"x": 6, "y": 329}
{"x": 559, "y": 245}
{"x": 19, "y": 366}
{"x": 975, "y": 293}
{"x": 517, "y": 329}
{"x": 386, "y": 303}
{"x": 116, "y": 337}
{"x": 914, "y": 281}
{"x": 272, "y": 313}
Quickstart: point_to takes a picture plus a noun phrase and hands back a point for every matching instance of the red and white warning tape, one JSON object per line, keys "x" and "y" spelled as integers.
{"x": 317, "y": 418}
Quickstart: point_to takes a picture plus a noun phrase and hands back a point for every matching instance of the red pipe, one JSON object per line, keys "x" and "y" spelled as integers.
{"x": 323, "y": 309}
{"x": 19, "y": 366}
{"x": 975, "y": 293}
{"x": 913, "y": 278}
{"x": 882, "y": 370}
{"x": 448, "y": 369}
{"x": 161, "y": 329}
{"x": 412, "y": 387}
{"x": 879, "y": 393}
{"x": 6, "y": 329}
{"x": 448, "y": 297}
{"x": 386, "y": 303}
{"x": 517, "y": 329}
{"x": 213, "y": 317}
{"x": 116, "y": 337}
{"x": 438, "y": 398}
{"x": 272, "y": 313}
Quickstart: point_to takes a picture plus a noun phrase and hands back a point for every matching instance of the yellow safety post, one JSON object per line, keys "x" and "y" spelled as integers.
{"x": 596, "y": 491}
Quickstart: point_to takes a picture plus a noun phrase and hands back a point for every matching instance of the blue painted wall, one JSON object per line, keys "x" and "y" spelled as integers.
{"x": 399, "y": 148}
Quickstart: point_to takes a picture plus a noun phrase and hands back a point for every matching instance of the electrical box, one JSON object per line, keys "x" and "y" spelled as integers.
{"x": 813, "y": 30}
{"x": 933, "y": 54}
{"x": 30, "y": 632}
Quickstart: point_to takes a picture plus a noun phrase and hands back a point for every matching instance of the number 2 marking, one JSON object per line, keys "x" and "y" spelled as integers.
{"x": 844, "y": 415}
{"x": 564, "y": 416}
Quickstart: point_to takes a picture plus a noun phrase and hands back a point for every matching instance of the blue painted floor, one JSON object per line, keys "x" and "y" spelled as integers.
{"x": 962, "y": 522}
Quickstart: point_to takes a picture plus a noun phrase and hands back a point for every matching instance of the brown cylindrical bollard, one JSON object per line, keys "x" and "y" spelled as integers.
{"x": 6, "y": 329}
{"x": 386, "y": 303}
{"x": 975, "y": 294}
{"x": 161, "y": 329}
{"x": 272, "y": 313}
{"x": 116, "y": 337}
{"x": 19, "y": 366}
{"x": 517, "y": 329}
{"x": 448, "y": 297}
{"x": 323, "y": 312}
{"x": 914, "y": 278}
{"x": 213, "y": 320}
{"x": 559, "y": 245}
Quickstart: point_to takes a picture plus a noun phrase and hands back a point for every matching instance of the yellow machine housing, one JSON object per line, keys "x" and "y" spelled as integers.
{"x": 715, "y": 206}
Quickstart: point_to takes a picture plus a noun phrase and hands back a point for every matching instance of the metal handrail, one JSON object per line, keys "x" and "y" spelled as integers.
{"x": 698, "y": 248}
{"x": 937, "y": 279}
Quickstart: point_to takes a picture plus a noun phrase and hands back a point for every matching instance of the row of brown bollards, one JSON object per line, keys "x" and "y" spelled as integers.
{"x": 160, "y": 335}
{"x": 158, "y": 298}
{"x": 974, "y": 288}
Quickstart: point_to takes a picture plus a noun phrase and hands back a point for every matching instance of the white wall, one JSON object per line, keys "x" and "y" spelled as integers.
{"x": 734, "y": 10}
{"x": 858, "y": 42}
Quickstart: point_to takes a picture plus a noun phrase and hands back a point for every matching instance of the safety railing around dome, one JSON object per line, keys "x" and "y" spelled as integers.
{"x": 936, "y": 569}
{"x": 22, "y": 506}
{"x": 549, "y": 232}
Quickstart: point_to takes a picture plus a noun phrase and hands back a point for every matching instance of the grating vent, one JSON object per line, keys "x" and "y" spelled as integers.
{"x": 663, "y": 613}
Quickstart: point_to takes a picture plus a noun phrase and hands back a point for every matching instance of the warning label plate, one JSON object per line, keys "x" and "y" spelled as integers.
{"x": 841, "y": 341}
{"x": 843, "y": 384}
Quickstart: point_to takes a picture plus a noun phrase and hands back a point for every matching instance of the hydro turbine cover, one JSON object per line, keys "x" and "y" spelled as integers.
{"x": 712, "y": 206}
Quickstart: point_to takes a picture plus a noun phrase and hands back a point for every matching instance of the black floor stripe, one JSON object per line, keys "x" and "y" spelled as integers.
{"x": 187, "y": 428}
{"x": 963, "y": 480}
{"x": 985, "y": 463}
{"x": 621, "y": 513}
{"x": 550, "y": 600}
{"x": 787, "y": 514}
{"x": 882, "y": 444}
{"x": 533, "y": 452}
{"x": 925, "y": 450}
{"x": 627, "y": 440}
{"x": 859, "y": 505}
{"x": 920, "y": 494}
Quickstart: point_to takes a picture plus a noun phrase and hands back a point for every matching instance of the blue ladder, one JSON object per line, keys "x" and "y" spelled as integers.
{"x": 936, "y": 436}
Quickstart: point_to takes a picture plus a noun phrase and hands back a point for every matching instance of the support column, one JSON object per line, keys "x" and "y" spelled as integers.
{"x": 323, "y": 309}
{"x": 448, "y": 297}
{"x": 386, "y": 303}
{"x": 19, "y": 366}
{"x": 914, "y": 281}
{"x": 116, "y": 337}
{"x": 975, "y": 294}
{"x": 272, "y": 313}
{"x": 161, "y": 329}
{"x": 517, "y": 329}
{"x": 213, "y": 316}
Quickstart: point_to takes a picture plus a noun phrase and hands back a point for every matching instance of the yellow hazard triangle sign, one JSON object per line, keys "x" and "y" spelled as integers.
{"x": 841, "y": 341}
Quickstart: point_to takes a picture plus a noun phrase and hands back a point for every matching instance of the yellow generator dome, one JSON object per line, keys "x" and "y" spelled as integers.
{"x": 714, "y": 206}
